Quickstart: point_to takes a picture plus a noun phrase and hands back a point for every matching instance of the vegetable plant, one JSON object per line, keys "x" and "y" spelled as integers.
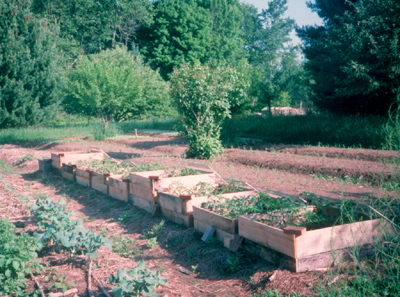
{"x": 137, "y": 281}
{"x": 18, "y": 258}
{"x": 124, "y": 168}
{"x": 278, "y": 212}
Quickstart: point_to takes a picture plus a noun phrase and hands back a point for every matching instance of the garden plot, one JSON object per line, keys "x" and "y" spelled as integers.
{"x": 145, "y": 186}
{"x": 222, "y": 212}
{"x": 58, "y": 159}
{"x": 109, "y": 177}
{"x": 177, "y": 201}
{"x": 312, "y": 234}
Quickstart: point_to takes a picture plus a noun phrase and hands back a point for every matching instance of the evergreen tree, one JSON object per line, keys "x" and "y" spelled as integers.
{"x": 353, "y": 57}
{"x": 29, "y": 67}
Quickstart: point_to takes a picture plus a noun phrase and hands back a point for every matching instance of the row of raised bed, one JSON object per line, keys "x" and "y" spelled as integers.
{"x": 298, "y": 233}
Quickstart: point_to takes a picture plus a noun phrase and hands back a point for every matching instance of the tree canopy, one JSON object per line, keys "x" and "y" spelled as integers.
{"x": 30, "y": 71}
{"x": 353, "y": 57}
{"x": 115, "y": 85}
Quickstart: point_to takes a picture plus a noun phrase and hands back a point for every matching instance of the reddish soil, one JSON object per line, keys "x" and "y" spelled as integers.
{"x": 289, "y": 169}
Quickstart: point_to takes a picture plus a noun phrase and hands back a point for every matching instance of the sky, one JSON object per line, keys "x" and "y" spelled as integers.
{"x": 297, "y": 10}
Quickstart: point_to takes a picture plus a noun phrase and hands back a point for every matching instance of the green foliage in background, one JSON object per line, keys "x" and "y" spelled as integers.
{"x": 354, "y": 56}
{"x": 277, "y": 78}
{"x": 90, "y": 26}
{"x": 326, "y": 130}
{"x": 114, "y": 85}
{"x": 30, "y": 70}
{"x": 204, "y": 97}
{"x": 180, "y": 34}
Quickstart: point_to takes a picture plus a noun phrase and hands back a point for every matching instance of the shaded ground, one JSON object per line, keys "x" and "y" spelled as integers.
{"x": 290, "y": 170}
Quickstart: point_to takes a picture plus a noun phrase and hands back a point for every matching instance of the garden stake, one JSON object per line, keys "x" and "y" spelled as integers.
{"x": 387, "y": 219}
{"x": 97, "y": 281}
{"x": 90, "y": 292}
{"x": 38, "y": 285}
{"x": 217, "y": 174}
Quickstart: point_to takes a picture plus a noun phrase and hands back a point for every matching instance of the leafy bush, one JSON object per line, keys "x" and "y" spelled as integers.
{"x": 18, "y": 258}
{"x": 204, "y": 97}
{"x": 115, "y": 85}
{"x": 101, "y": 133}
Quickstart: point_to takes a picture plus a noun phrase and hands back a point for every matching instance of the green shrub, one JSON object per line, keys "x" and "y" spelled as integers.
{"x": 114, "y": 85}
{"x": 204, "y": 97}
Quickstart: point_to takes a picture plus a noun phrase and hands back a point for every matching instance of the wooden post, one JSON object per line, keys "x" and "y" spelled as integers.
{"x": 136, "y": 134}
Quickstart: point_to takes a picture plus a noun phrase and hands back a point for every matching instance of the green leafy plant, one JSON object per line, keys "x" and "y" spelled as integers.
{"x": 151, "y": 243}
{"x": 155, "y": 230}
{"x": 232, "y": 263}
{"x": 124, "y": 168}
{"x": 123, "y": 246}
{"x": 137, "y": 281}
{"x": 124, "y": 218}
{"x": 25, "y": 158}
{"x": 204, "y": 97}
{"x": 59, "y": 281}
{"x": 18, "y": 258}
{"x": 231, "y": 186}
{"x": 71, "y": 234}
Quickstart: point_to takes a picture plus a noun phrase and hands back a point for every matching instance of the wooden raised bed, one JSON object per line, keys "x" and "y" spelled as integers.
{"x": 99, "y": 181}
{"x": 224, "y": 227}
{"x": 145, "y": 186}
{"x": 118, "y": 187}
{"x": 313, "y": 249}
{"x": 72, "y": 157}
{"x": 68, "y": 171}
{"x": 82, "y": 176}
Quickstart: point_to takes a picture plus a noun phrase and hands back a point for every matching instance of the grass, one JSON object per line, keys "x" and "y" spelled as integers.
{"x": 5, "y": 167}
{"x": 57, "y": 132}
{"x": 325, "y": 130}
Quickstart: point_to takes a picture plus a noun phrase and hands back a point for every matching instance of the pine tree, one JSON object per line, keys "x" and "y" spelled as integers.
{"x": 354, "y": 56}
{"x": 29, "y": 67}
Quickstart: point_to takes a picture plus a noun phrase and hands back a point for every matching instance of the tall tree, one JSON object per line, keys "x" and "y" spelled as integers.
{"x": 29, "y": 67}
{"x": 89, "y": 26}
{"x": 208, "y": 31}
{"x": 268, "y": 51}
{"x": 180, "y": 34}
{"x": 353, "y": 57}
{"x": 226, "y": 43}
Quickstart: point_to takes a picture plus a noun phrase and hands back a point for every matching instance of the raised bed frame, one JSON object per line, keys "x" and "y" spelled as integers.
{"x": 310, "y": 249}
{"x": 58, "y": 159}
{"x": 225, "y": 228}
{"x": 144, "y": 187}
{"x": 297, "y": 250}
